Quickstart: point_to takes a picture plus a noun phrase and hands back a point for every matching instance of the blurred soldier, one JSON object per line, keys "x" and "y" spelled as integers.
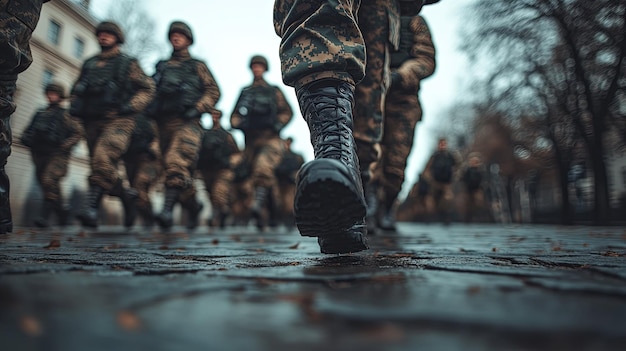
{"x": 216, "y": 167}
{"x": 142, "y": 162}
{"x": 110, "y": 91}
{"x": 18, "y": 20}
{"x": 440, "y": 172}
{"x": 261, "y": 112}
{"x": 185, "y": 90}
{"x": 412, "y": 62}
{"x": 50, "y": 136}
{"x": 472, "y": 179}
{"x": 286, "y": 173}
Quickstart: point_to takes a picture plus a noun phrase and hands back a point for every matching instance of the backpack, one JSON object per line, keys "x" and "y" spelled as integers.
{"x": 442, "y": 167}
{"x": 215, "y": 150}
{"x": 258, "y": 107}
{"x": 472, "y": 177}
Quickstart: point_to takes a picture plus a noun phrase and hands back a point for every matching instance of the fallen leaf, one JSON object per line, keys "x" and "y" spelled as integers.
{"x": 53, "y": 244}
{"x": 474, "y": 289}
{"x": 494, "y": 249}
{"x": 295, "y": 246}
{"x": 215, "y": 242}
{"x": 128, "y": 320}
{"x": 30, "y": 326}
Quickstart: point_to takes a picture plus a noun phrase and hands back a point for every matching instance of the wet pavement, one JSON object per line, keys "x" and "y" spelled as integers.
{"x": 429, "y": 287}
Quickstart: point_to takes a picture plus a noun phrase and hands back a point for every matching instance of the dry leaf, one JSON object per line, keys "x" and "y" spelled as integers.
{"x": 128, "y": 320}
{"x": 30, "y": 326}
{"x": 295, "y": 246}
{"x": 53, "y": 244}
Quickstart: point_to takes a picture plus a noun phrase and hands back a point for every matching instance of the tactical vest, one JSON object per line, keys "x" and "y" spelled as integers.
{"x": 102, "y": 88}
{"x": 46, "y": 130}
{"x": 179, "y": 87}
{"x": 258, "y": 107}
{"x": 398, "y": 57}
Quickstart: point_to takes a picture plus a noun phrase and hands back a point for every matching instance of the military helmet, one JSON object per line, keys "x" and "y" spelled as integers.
{"x": 259, "y": 59}
{"x": 113, "y": 28}
{"x": 182, "y": 28}
{"x": 57, "y": 88}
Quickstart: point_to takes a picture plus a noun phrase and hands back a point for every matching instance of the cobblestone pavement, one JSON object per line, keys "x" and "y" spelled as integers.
{"x": 429, "y": 287}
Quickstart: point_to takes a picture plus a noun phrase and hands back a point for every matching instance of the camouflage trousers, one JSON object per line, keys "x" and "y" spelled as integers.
{"x": 180, "y": 144}
{"x": 50, "y": 170}
{"x": 18, "y": 20}
{"x": 143, "y": 170}
{"x": 219, "y": 185}
{"x": 108, "y": 141}
{"x": 402, "y": 112}
{"x": 265, "y": 155}
{"x": 378, "y": 20}
{"x": 306, "y": 54}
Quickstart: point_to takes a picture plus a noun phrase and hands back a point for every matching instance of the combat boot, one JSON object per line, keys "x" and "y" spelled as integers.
{"x": 6, "y": 222}
{"x": 46, "y": 210}
{"x": 147, "y": 216}
{"x": 128, "y": 196}
{"x": 62, "y": 212}
{"x": 260, "y": 200}
{"x": 386, "y": 218}
{"x": 165, "y": 218}
{"x": 88, "y": 216}
{"x": 329, "y": 201}
{"x": 373, "y": 207}
{"x": 193, "y": 213}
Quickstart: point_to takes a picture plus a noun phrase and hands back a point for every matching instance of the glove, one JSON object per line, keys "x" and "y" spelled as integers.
{"x": 192, "y": 113}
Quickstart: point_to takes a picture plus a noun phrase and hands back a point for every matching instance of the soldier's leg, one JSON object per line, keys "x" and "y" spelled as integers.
{"x": 221, "y": 195}
{"x": 54, "y": 172}
{"x": 18, "y": 20}
{"x": 108, "y": 149}
{"x": 324, "y": 73}
{"x": 180, "y": 162}
{"x": 263, "y": 176}
{"x": 401, "y": 116}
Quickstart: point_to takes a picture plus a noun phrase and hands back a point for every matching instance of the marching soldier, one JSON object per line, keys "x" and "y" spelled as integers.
{"x": 261, "y": 112}
{"x": 111, "y": 90}
{"x": 51, "y": 135}
{"x": 185, "y": 90}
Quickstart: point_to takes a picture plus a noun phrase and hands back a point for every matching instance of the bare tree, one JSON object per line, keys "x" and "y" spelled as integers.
{"x": 138, "y": 29}
{"x": 560, "y": 59}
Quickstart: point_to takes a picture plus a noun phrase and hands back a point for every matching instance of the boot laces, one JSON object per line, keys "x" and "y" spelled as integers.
{"x": 331, "y": 132}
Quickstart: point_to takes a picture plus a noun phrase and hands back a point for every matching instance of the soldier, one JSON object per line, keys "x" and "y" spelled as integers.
{"x": 286, "y": 173}
{"x": 412, "y": 62}
{"x": 216, "y": 167}
{"x": 472, "y": 179}
{"x": 18, "y": 20}
{"x": 143, "y": 165}
{"x": 323, "y": 56}
{"x": 110, "y": 91}
{"x": 51, "y": 135}
{"x": 440, "y": 172}
{"x": 185, "y": 90}
{"x": 261, "y": 112}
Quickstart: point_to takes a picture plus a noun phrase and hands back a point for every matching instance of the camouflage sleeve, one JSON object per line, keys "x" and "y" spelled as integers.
{"x": 211, "y": 90}
{"x": 284, "y": 112}
{"x": 75, "y": 132}
{"x": 422, "y": 63}
{"x": 143, "y": 85}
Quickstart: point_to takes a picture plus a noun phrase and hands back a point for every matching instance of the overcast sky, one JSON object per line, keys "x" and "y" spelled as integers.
{"x": 228, "y": 33}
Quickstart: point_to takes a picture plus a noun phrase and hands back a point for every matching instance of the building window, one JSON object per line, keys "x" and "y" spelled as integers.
{"x": 48, "y": 76}
{"x": 79, "y": 47}
{"x": 54, "y": 32}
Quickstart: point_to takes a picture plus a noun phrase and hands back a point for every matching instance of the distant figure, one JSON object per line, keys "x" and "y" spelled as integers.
{"x": 410, "y": 64}
{"x": 261, "y": 112}
{"x": 215, "y": 164}
{"x": 472, "y": 179}
{"x": 185, "y": 90}
{"x": 286, "y": 173}
{"x": 18, "y": 20}
{"x": 51, "y": 135}
{"x": 109, "y": 93}
{"x": 441, "y": 171}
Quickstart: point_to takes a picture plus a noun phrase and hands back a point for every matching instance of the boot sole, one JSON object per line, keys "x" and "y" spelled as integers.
{"x": 327, "y": 205}
{"x": 344, "y": 242}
